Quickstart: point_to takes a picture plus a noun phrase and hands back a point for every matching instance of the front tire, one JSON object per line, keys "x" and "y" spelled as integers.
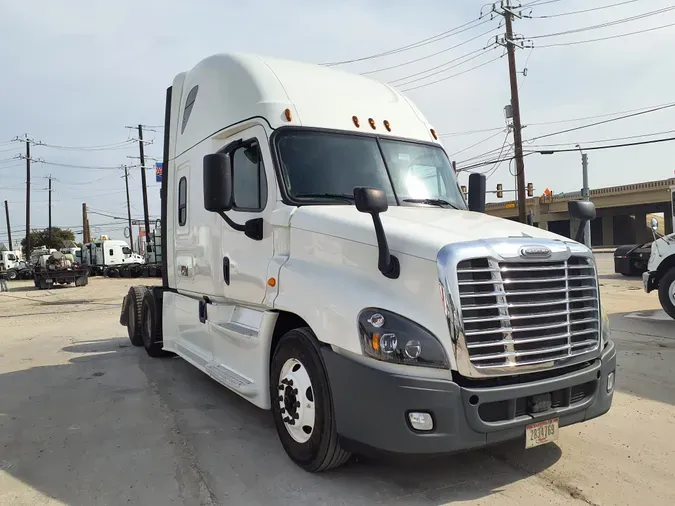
{"x": 302, "y": 404}
{"x": 667, "y": 292}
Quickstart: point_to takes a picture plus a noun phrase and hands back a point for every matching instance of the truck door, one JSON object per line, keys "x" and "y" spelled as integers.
{"x": 243, "y": 277}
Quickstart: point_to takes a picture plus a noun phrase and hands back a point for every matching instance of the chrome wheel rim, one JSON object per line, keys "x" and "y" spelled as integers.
{"x": 296, "y": 400}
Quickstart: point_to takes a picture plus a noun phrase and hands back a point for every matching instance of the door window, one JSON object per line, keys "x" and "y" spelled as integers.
{"x": 250, "y": 183}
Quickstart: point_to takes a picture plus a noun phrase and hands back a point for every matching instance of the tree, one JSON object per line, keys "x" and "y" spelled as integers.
{"x": 61, "y": 237}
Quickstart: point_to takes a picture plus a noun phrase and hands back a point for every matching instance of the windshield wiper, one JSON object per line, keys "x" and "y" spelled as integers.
{"x": 339, "y": 196}
{"x": 432, "y": 202}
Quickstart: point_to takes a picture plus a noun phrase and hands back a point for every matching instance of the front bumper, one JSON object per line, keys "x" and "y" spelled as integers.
{"x": 649, "y": 281}
{"x": 372, "y": 406}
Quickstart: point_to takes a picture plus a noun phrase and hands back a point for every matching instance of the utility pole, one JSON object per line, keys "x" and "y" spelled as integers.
{"x": 85, "y": 225}
{"x": 145, "y": 186}
{"x": 131, "y": 228}
{"x": 9, "y": 229}
{"x": 50, "y": 211}
{"x": 27, "y": 197}
{"x": 508, "y": 13}
{"x": 585, "y": 193}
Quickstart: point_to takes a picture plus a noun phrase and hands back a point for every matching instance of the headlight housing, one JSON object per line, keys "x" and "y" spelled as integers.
{"x": 393, "y": 338}
{"x": 605, "y": 331}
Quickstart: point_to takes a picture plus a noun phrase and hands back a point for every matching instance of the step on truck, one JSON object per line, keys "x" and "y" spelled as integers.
{"x": 320, "y": 260}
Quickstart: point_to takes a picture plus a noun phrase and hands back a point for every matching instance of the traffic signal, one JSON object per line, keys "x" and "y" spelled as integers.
{"x": 500, "y": 193}
{"x": 530, "y": 190}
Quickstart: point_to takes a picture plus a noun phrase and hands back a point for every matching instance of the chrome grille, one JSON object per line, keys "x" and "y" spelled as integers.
{"x": 525, "y": 313}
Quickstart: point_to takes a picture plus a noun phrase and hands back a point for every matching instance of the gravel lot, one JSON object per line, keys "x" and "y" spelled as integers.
{"x": 87, "y": 419}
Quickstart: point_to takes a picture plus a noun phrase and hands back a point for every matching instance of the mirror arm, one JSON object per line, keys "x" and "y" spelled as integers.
{"x": 581, "y": 231}
{"x": 387, "y": 263}
{"x": 235, "y": 226}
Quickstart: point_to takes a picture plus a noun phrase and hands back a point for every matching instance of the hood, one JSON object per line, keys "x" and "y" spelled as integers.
{"x": 417, "y": 231}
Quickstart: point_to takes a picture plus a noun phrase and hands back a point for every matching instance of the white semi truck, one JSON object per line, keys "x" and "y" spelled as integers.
{"x": 109, "y": 256}
{"x": 321, "y": 261}
{"x": 660, "y": 274}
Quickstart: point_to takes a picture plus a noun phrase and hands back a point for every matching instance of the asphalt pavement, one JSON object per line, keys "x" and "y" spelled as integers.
{"x": 86, "y": 419}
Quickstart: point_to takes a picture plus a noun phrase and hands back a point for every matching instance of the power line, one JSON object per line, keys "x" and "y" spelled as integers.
{"x": 476, "y": 144}
{"x": 547, "y": 16}
{"x": 612, "y": 146}
{"x": 413, "y": 45}
{"x": 452, "y": 76}
{"x": 541, "y": 146}
{"x": 605, "y": 25}
{"x": 655, "y": 109}
{"x": 432, "y": 55}
{"x": 480, "y": 52}
{"x": 573, "y": 43}
{"x": 569, "y": 120}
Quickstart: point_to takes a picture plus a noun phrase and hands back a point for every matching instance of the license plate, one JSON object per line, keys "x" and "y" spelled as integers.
{"x": 540, "y": 433}
{"x": 48, "y": 280}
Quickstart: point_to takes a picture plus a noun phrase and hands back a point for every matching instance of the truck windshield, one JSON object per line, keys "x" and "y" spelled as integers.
{"x": 328, "y": 166}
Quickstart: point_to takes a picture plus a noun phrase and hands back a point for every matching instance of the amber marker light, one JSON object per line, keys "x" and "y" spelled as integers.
{"x": 433, "y": 133}
{"x": 356, "y": 121}
{"x": 387, "y": 125}
{"x": 288, "y": 115}
{"x": 372, "y": 123}
{"x": 272, "y": 282}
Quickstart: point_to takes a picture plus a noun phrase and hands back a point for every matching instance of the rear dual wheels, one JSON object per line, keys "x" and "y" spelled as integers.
{"x": 302, "y": 405}
{"x": 134, "y": 316}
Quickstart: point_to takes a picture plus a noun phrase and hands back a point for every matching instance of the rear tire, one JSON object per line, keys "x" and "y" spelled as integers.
{"x": 11, "y": 274}
{"x": 134, "y": 308}
{"x": 151, "y": 330}
{"x": 312, "y": 444}
{"x": 667, "y": 292}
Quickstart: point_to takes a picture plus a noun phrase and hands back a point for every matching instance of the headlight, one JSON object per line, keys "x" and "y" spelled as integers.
{"x": 605, "y": 331}
{"x": 392, "y": 338}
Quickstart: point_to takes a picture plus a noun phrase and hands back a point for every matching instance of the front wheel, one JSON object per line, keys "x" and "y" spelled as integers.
{"x": 667, "y": 292}
{"x": 302, "y": 405}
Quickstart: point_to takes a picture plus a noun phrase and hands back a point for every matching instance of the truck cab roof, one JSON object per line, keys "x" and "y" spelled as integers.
{"x": 225, "y": 89}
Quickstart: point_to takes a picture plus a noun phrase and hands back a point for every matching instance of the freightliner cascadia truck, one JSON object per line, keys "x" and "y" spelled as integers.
{"x": 320, "y": 260}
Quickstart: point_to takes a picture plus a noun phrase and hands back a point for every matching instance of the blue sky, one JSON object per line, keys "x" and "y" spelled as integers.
{"x": 77, "y": 72}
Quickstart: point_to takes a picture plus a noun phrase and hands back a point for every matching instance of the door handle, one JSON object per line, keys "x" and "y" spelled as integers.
{"x": 226, "y": 270}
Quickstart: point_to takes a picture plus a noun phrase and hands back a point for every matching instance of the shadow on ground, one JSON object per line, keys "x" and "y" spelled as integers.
{"x": 645, "y": 342}
{"x": 114, "y": 426}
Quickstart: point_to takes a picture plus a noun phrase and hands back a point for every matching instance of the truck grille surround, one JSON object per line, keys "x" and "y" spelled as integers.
{"x": 509, "y": 314}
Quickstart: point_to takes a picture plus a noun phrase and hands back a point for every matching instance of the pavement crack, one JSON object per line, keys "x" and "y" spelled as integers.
{"x": 548, "y": 478}
{"x": 192, "y": 472}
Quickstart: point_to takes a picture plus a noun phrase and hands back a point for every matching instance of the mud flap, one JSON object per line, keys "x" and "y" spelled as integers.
{"x": 124, "y": 317}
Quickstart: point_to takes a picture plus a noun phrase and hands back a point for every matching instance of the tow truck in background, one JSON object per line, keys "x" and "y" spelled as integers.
{"x": 311, "y": 266}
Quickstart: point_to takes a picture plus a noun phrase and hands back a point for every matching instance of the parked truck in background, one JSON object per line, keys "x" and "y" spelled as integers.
{"x": 110, "y": 257}
{"x": 321, "y": 261}
{"x": 660, "y": 273}
{"x": 58, "y": 268}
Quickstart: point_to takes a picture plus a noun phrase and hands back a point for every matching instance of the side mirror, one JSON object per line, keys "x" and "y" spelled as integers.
{"x": 370, "y": 200}
{"x": 374, "y": 202}
{"x": 217, "y": 183}
{"x": 584, "y": 211}
{"x": 655, "y": 224}
{"x": 477, "y": 192}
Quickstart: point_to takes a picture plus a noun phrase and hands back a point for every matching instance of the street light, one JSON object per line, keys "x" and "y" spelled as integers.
{"x": 585, "y": 192}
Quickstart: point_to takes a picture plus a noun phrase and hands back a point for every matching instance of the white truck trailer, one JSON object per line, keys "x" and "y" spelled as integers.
{"x": 312, "y": 266}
